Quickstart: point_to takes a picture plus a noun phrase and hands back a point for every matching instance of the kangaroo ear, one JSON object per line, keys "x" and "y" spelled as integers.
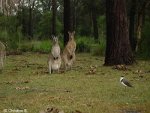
{"x": 69, "y": 32}
{"x": 56, "y": 37}
{"x": 73, "y": 32}
{"x": 53, "y": 36}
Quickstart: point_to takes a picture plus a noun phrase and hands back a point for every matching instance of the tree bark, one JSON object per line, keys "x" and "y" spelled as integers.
{"x": 118, "y": 49}
{"x": 30, "y": 27}
{"x": 132, "y": 17}
{"x": 74, "y": 13}
{"x": 54, "y": 17}
{"x": 68, "y": 21}
{"x": 24, "y": 28}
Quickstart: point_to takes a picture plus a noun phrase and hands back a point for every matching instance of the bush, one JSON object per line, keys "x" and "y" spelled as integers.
{"x": 41, "y": 46}
{"x": 4, "y": 36}
{"x": 102, "y": 25}
{"x": 11, "y": 40}
{"x": 44, "y": 26}
{"x": 36, "y": 46}
{"x": 144, "y": 48}
{"x": 10, "y": 32}
{"x": 99, "y": 49}
{"x": 84, "y": 44}
{"x": 26, "y": 46}
{"x": 87, "y": 44}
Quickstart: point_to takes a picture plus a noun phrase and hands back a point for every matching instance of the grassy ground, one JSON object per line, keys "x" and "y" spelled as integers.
{"x": 26, "y": 84}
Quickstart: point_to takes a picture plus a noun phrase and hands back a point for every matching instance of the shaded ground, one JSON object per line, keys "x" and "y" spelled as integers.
{"x": 88, "y": 88}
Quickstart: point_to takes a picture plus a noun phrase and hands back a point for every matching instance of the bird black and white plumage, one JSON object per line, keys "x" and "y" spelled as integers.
{"x": 125, "y": 82}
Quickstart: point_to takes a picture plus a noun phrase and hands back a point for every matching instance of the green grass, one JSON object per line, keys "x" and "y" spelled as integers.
{"x": 73, "y": 90}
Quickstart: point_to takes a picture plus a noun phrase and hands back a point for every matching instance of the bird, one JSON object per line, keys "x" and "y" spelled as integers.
{"x": 125, "y": 82}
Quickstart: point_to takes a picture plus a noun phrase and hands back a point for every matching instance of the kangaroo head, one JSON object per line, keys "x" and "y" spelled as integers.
{"x": 55, "y": 39}
{"x": 71, "y": 35}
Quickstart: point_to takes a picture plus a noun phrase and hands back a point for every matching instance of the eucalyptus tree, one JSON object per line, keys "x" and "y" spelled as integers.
{"x": 68, "y": 20}
{"x": 118, "y": 49}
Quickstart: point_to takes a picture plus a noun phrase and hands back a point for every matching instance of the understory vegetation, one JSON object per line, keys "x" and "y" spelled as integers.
{"x": 144, "y": 50}
{"x": 19, "y": 43}
{"x": 15, "y": 40}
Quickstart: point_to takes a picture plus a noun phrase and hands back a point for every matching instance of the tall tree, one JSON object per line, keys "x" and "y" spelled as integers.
{"x": 74, "y": 3}
{"x": 68, "y": 20}
{"x": 118, "y": 50}
{"x": 23, "y": 19}
{"x": 95, "y": 26}
{"x": 92, "y": 6}
{"x": 140, "y": 18}
{"x": 54, "y": 8}
{"x": 132, "y": 18}
{"x": 30, "y": 21}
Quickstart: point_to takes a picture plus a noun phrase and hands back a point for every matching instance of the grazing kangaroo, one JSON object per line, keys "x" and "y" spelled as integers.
{"x": 69, "y": 51}
{"x": 2, "y": 55}
{"x": 54, "y": 60}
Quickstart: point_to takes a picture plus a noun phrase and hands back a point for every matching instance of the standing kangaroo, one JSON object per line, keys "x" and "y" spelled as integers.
{"x": 2, "y": 55}
{"x": 54, "y": 60}
{"x": 55, "y": 51}
{"x": 69, "y": 51}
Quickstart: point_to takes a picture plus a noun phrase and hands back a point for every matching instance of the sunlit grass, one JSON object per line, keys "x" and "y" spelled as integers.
{"x": 25, "y": 84}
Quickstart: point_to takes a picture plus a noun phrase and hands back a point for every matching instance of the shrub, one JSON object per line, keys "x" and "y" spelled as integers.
{"x": 36, "y": 46}
{"x": 102, "y": 25}
{"x": 26, "y": 46}
{"x": 84, "y": 44}
{"x": 41, "y": 46}
{"x": 11, "y": 40}
{"x": 4, "y": 36}
{"x": 144, "y": 48}
{"x": 44, "y": 26}
{"x": 99, "y": 49}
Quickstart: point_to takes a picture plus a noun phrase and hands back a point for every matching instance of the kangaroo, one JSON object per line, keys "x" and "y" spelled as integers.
{"x": 54, "y": 60}
{"x": 54, "y": 64}
{"x": 69, "y": 51}
{"x": 55, "y": 51}
{"x": 2, "y": 55}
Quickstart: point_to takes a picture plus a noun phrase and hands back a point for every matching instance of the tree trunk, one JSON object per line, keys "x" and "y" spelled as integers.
{"x": 54, "y": 17}
{"x": 118, "y": 49}
{"x": 95, "y": 27}
{"x": 132, "y": 37}
{"x": 74, "y": 13}
{"x": 140, "y": 18}
{"x": 30, "y": 23}
{"x": 68, "y": 21}
{"x": 24, "y": 30}
{"x": 1, "y": 3}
